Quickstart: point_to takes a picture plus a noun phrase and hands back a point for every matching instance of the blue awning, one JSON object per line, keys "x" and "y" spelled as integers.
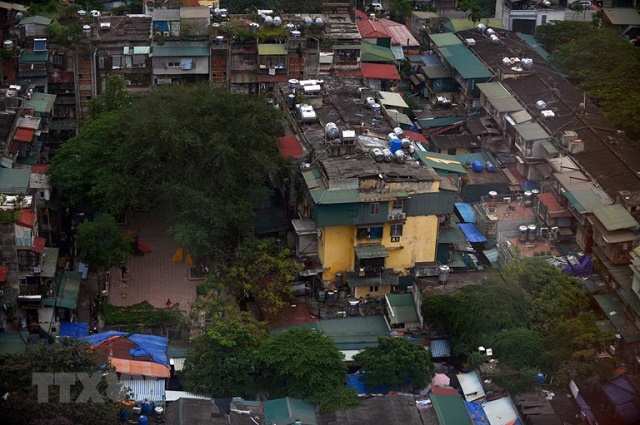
{"x": 466, "y": 212}
{"x": 471, "y": 232}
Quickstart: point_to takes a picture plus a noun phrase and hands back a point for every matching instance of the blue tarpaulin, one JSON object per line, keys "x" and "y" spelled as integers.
{"x": 74, "y": 330}
{"x": 623, "y": 398}
{"x": 585, "y": 268}
{"x": 151, "y": 345}
{"x": 440, "y": 348}
{"x": 476, "y": 413}
{"x": 466, "y": 212}
{"x": 471, "y": 232}
{"x": 356, "y": 381}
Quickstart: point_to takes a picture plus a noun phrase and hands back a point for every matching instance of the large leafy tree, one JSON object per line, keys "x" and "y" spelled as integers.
{"x": 100, "y": 244}
{"x": 475, "y": 312}
{"x": 602, "y": 64}
{"x": 265, "y": 270}
{"x": 20, "y": 404}
{"x": 395, "y": 361}
{"x": 115, "y": 97}
{"x": 220, "y": 362}
{"x": 305, "y": 364}
{"x": 205, "y": 154}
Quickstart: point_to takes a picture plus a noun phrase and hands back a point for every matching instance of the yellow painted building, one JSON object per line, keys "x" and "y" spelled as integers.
{"x": 375, "y": 220}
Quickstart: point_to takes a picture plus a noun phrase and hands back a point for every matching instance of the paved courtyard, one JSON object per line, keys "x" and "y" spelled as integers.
{"x": 153, "y": 276}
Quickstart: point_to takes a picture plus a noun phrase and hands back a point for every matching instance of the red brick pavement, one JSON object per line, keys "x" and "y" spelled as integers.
{"x": 153, "y": 276}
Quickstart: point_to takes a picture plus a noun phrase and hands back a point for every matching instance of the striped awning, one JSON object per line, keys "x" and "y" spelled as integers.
{"x": 243, "y": 78}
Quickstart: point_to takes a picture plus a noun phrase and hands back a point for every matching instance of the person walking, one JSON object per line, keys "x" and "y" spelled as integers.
{"x": 168, "y": 303}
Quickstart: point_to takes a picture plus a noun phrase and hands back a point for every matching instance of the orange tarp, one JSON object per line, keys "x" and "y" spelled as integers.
{"x": 134, "y": 367}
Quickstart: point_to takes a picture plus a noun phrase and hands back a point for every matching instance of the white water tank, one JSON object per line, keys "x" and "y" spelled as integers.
{"x": 7, "y": 44}
{"x": 277, "y": 21}
{"x": 331, "y": 131}
{"x": 86, "y": 30}
{"x": 81, "y": 13}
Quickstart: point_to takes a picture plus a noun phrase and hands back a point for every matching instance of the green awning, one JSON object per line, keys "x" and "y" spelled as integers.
{"x": 549, "y": 148}
{"x": 66, "y": 291}
{"x": 373, "y": 53}
{"x": 615, "y": 217}
{"x": 371, "y": 251}
{"x": 272, "y": 49}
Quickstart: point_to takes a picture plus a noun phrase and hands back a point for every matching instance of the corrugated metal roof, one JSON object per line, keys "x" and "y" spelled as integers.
{"x": 285, "y": 411}
{"x": 440, "y": 348}
{"x": 439, "y": 161}
{"x": 42, "y": 103}
{"x": 584, "y": 201}
{"x": 33, "y": 57}
{"x": 531, "y": 131}
{"x": 402, "y": 309}
{"x": 181, "y": 49}
{"x": 66, "y": 291}
{"x": 371, "y": 251}
{"x": 145, "y": 389}
{"x": 398, "y": 52}
{"x": 501, "y": 411}
{"x": 400, "y": 34}
{"x": 450, "y": 409}
{"x": 272, "y": 49}
{"x": 393, "y": 99}
{"x": 171, "y": 395}
{"x": 380, "y": 71}
{"x": 38, "y": 20}
{"x": 466, "y": 212}
{"x": 624, "y": 399}
{"x": 622, "y": 16}
{"x": 439, "y": 122}
{"x": 465, "y": 62}
{"x": 371, "y": 29}
{"x": 14, "y": 180}
{"x": 372, "y": 53}
{"x": 471, "y": 385}
{"x": 177, "y": 363}
{"x": 445, "y": 39}
{"x": 165, "y": 15}
{"x": 472, "y": 233}
{"x": 450, "y": 235}
{"x": 615, "y": 217}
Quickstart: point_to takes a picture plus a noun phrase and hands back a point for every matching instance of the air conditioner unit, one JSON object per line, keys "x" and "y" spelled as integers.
{"x": 507, "y": 199}
{"x": 391, "y": 217}
{"x": 401, "y": 216}
{"x": 520, "y": 199}
{"x": 166, "y": 33}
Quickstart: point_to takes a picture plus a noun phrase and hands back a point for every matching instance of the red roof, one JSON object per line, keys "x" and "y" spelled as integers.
{"x": 360, "y": 14}
{"x": 265, "y": 78}
{"x": 380, "y": 71}
{"x": 372, "y": 29}
{"x": 27, "y": 218}
{"x": 289, "y": 147}
{"x": 554, "y": 208}
{"x": 4, "y": 270}
{"x": 39, "y": 168}
{"x": 416, "y": 137}
{"x": 24, "y": 134}
{"x": 444, "y": 391}
{"x": 38, "y": 244}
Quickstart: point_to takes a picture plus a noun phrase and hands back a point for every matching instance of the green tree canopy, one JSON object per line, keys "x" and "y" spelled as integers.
{"x": 518, "y": 347}
{"x": 265, "y": 270}
{"x": 305, "y": 364}
{"x": 205, "y": 154}
{"x": 100, "y": 244}
{"x": 602, "y": 64}
{"x": 474, "y": 312}
{"x": 220, "y": 362}
{"x": 67, "y": 355}
{"x": 115, "y": 97}
{"x": 395, "y": 361}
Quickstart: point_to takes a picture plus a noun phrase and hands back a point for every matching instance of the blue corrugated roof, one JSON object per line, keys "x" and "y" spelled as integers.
{"x": 356, "y": 381}
{"x": 623, "y": 397}
{"x": 466, "y": 212}
{"x": 440, "y": 348}
{"x": 471, "y": 232}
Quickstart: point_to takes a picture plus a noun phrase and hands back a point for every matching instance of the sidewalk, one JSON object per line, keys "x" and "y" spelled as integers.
{"x": 153, "y": 276}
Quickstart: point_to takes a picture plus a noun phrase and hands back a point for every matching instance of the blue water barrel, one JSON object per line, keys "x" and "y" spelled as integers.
{"x": 395, "y": 144}
{"x": 147, "y": 407}
{"x": 143, "y": 420}
{"x": 477, "y": 166}
{"x": 490, "y": 167}
{"x": 540, "y": 378}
